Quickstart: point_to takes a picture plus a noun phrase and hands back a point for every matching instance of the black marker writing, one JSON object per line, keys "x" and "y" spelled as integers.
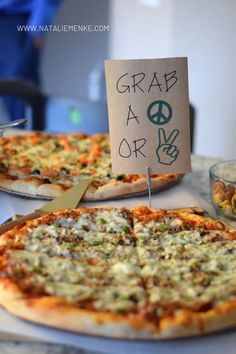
{"x": 124, "y": 149}
{"x": 136, "y": 84}
{"x": 128, "y": 83}
{"x": 127, "y": 88}
{"x": 138, "y": 147}
{"x": 155, "y": 82}
{"x": 133, "y": 116}
{"x": 172, "y": 78}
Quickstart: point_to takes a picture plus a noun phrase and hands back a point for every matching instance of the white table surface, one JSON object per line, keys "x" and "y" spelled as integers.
{"x": 176, "y": 197}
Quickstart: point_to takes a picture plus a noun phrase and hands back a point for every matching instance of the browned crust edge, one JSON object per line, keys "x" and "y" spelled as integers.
{"x": 114, "y": 188}
{"x": 108, "y": 191}
{"x": 55, "y": 312}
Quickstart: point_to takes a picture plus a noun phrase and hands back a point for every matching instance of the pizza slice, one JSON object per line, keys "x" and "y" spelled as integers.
{"x": 186, "y": 264}
{"x": 84, "y": 257}
{"x": 139, "y": 273}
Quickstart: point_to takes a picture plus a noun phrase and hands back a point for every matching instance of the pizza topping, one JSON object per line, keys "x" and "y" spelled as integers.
{"x": 71, "y": 292}
{"x": 121, "y": 299}
{"x": 3, "y": 166}
{"x": 71, "y": 157}
{"x": 36, "y": 172}
{"x": 117, "y": 261}
{"x": 120, "y": 177}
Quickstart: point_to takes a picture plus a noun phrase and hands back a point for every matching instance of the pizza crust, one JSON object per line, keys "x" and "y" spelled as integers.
{"x": 6, "y": 182}
{"x": 35, "y": 187}
{"x": 55, "y": 312}
{"x": 49, "y": 190}
{"x": 28, "y": 187}
{"x": 117, "y": 188}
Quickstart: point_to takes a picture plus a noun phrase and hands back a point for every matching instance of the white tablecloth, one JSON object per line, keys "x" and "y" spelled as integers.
{"x": 176, "y": 197}
{"x": 221, "y": 343}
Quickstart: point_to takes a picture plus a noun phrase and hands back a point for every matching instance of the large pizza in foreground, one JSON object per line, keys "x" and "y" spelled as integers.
{"x": 139, "y": 273}
{"x": 45, "y": 165}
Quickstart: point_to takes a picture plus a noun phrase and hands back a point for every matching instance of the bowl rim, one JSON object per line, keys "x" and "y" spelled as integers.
{"x": 212, "y": 174}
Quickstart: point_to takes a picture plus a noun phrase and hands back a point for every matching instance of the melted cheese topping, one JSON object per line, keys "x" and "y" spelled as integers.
{"x": 103, "y": 260}
{"x": 186, "y": 267}
{"x": 70, "y": 157}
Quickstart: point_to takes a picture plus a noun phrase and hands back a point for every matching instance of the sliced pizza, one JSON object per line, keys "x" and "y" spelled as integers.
{"x": 139, "y": 273}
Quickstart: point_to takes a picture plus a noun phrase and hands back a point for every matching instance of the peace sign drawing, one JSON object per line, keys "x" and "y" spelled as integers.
{"x": 161, "y": 115}
{"x": 166, "y": 152}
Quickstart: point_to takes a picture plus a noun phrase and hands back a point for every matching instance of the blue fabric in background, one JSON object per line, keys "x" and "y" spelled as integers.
{"x": 40, "y": 12}
{"x": 17, "y": 6}
{"x": 19, "y": 56}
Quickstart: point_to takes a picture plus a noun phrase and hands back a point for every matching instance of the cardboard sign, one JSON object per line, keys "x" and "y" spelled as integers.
{"x": 148, "y": 109}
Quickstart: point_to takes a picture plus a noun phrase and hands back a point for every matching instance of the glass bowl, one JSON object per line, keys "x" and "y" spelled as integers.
{"x": 223, "y": 190}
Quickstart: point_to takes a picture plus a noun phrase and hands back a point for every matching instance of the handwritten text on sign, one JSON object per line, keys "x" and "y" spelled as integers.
{"x": 149, "y": 115}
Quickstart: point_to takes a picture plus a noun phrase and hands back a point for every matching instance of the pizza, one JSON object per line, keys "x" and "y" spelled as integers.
{"x": 124, "y": 273}
{"x": 41, "y": 164}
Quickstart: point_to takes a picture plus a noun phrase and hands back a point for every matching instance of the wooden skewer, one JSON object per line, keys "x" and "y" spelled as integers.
{"x": 149, "y": 187}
